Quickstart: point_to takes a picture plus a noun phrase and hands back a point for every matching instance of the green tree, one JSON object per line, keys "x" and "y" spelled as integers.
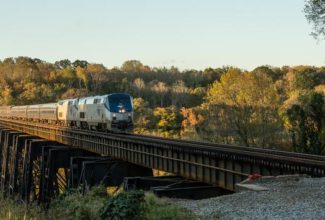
{"x": 80, "y": 63}
{"x": 304, "y": 78}
{"x": 62, "y": 64}
{"x": 306, "y": 123}
{"x": 315, "y": 13}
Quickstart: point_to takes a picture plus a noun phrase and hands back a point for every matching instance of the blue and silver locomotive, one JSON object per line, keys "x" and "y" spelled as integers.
{"x": 112, "y": 112}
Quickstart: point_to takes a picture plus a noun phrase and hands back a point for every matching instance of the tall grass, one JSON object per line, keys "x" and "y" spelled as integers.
{"x": 11, "y": 209}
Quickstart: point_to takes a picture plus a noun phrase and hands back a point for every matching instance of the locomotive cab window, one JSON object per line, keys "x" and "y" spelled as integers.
{"x": 120, "y": 103}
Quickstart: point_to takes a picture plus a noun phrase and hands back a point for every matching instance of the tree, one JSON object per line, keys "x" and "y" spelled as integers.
{"x": 69, "y": 76}
{"x": 63, "y": 64}
{"x": 98, "y": 76}
{"x": 80, "y": 63}
{"x": 134, "y": 66}
{"x": 168, "y": 120}
{"x": 6, "y": 97}
{"x": 315, "y": 14}
{"x": 139, "y": 85}
{"x": 275, "y": 75}
{"x": 304, "y": 78}
{"x": 162, "y": 89}
{"x": 248, "y": 103}
{"x": 192, "y": 123}
{"x": 306, "y": 123}
{"x": 179, "y": 93}
{"x": 142, "y": 116}
{"x": 82, "y": 77}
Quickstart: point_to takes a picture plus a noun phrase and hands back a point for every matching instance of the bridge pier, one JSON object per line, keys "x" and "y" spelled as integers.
{"x": 7, "y": 137}
{"x": 16, "y": 161}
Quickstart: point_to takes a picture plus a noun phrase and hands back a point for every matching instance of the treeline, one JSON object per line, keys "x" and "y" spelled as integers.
{"x": 269, "y": 107}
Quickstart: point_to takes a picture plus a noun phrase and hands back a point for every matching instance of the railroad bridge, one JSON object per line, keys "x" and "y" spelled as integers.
{"x": 38, "y": 160}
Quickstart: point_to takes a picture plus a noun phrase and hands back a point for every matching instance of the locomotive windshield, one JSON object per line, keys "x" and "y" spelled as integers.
{"x": 120, "y": 103}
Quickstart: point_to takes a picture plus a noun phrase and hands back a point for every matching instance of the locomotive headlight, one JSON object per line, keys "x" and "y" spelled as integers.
{"x": 114, "y": 115}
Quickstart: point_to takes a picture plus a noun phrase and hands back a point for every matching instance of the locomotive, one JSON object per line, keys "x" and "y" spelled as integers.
{"x": 111, "y": 112}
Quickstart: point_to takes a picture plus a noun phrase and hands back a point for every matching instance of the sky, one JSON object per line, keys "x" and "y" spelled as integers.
{"x": 188, "y": 34}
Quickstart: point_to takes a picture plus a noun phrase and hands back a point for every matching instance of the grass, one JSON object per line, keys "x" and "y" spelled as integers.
{"x": 97, "y": 204}
{"x": 14, "y": 210}
{"x": 161, "y": 209}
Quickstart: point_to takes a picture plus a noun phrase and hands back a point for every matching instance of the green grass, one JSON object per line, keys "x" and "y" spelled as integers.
{"x": 161, "y": 209}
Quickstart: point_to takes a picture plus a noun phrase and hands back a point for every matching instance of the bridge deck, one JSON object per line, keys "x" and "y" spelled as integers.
{"x": 219, "y": 165}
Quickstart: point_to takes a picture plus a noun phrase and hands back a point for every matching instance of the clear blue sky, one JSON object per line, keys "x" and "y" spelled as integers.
{"x": 184, "y": 33}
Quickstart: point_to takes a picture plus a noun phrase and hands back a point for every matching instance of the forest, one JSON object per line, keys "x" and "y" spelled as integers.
{"x": 268, "y": 107}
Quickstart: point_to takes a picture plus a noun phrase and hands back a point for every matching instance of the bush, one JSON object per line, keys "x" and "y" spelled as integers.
{"x": 126, "y": 205}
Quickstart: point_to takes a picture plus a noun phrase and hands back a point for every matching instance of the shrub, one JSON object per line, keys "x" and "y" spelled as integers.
{"x": 125, "y": 205}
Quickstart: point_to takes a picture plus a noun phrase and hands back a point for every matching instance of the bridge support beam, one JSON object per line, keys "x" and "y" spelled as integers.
{"x": 103, "y": 170}
{"x": 55, "y": 170}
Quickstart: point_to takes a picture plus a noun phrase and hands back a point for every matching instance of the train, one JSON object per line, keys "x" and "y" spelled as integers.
{"x": 110, "y": 112}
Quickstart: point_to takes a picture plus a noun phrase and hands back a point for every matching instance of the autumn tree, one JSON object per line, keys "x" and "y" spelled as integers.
{"x": 179, "y": 93}
{"x": 167, "y": 121}
{"x": 97, "y": 75}
{"x": 142, "y": 116}
{"x": 6, "y": 97}
{"x": 192, "y": 123}
{"x": 68, "y": 76}
{"x": 162, "y": 90}
{"x": 249, "y": 103}
{"x": 132, "y": 66}
{"x": 139, "y": 86}
{"x": 83, "y": 78}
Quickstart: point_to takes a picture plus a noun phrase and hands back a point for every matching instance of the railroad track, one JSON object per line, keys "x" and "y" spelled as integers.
{"x": 242, "y": 148}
